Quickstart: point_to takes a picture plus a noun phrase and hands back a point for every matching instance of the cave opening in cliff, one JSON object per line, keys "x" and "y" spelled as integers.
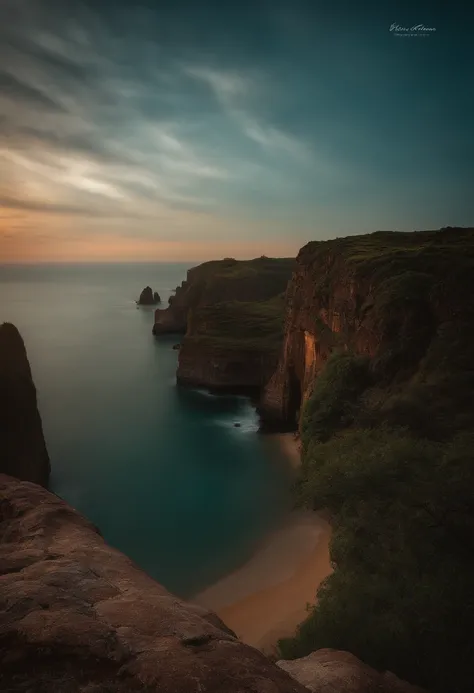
{"x": 294, "y": 399}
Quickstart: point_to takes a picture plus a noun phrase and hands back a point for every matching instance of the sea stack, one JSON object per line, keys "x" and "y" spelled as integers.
{"x": 23, "y": 452}
{"x": 148, "y": 297}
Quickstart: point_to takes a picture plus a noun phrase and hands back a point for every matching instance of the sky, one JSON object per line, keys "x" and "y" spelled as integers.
{"x": 197, "y": 129}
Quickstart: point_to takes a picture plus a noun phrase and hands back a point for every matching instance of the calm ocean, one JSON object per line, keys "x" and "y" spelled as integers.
{"x": 162, "y": 471}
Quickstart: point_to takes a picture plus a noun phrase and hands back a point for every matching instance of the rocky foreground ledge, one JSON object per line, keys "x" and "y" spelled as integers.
{"x": 78, "y": 616}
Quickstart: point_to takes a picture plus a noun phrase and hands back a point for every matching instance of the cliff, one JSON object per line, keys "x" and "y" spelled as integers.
{"x": 376, "y": 371}
{"x": 22, "y": 447}
{"x": 404, "y": 300}
{"x": 231, "y": 315}
{"x": 77, "y": 616}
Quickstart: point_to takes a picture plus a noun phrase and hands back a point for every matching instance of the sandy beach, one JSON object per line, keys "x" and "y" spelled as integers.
{"x": 267, "y": 598}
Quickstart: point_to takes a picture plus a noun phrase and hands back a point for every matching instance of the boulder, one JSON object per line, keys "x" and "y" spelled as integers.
{"x": 23, "y": 452}
{"x": 333, "y": 671}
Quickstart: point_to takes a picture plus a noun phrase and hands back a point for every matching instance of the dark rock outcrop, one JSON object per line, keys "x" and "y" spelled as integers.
{"x": 402, "y": 299}
{"x": 148, "y": 297}
{"x": 23, "y": 452}
{"x": 77, "y": 616}
{"x": 332, "y": 671}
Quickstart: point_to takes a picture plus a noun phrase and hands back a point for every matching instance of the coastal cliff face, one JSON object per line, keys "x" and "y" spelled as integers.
{"x": 400, "y": 299}
{"x": 22, "y": 447}
{"x": 376, "y": 371}
{"x": 231, "y": 315}
{"x": 224, "y": 367}
{"x": 78, "y": 616}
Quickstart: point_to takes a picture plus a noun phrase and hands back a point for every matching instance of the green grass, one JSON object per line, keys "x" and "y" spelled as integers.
{"x": 248, "y": 325}
{"x": 237, "y": 304}
{"x": 385, "y": 254}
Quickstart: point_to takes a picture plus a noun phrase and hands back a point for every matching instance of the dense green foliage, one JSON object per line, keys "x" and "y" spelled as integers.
{"x": 242, "y": 324}
{"x": 395, "y": 469}
{"x": 238, "y": 304}
{"x": 331, "y": 406}
{"x": 238, "y": 280}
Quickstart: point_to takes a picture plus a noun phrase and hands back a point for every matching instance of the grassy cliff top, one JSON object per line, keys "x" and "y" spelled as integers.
{"x": 229, "y": 267}
{"x": 387, "y": 252}
{"x": 247, "y": 325}
{"x": 236, "y": 280}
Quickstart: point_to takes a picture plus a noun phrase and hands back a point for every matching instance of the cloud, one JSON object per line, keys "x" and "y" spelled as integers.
{"x": 163, "y": 119}
{"x": 13, "y": 88}
{"x": 238, "y": 95}
{"x": 45, "y": 207}
{"x": 229, "y": 87}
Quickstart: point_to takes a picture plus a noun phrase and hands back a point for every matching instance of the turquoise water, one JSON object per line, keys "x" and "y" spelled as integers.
{"x": 162, "y": 471}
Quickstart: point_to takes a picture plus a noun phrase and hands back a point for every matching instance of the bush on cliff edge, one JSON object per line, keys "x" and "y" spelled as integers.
{"x": 402, "y": 593}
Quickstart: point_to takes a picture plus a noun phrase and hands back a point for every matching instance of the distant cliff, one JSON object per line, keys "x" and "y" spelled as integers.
{"x": 22, "y": 447}
{"x": 231, "y": 315}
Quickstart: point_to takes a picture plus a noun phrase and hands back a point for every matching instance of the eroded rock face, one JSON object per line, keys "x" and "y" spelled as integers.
{"x": 332, "y": 671}
{"x": 390, "y": 296}
{"x": 23, "y": 452}
{"x": 232, "y": 318}
{"x": 77, "y": 616}
{"x": 224, "y": 368}
{"x": 148, "y": 297}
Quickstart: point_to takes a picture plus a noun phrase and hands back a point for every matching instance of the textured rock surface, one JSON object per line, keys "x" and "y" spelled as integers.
{"x": 332, "y": 671}
{"x": 78, "y": 616}
{"x": 22, "y": 447}
{"x": 391, "y": 296}
{"x": 148, "y": 297}
{"x": 227, "y": 312}
{"x": 221, "y": 368}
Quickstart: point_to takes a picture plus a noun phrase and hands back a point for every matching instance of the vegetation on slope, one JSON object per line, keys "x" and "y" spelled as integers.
{"x": 250, "y": 325}
{"x": 388, "y": 450}
{"x": 239, "y": 304}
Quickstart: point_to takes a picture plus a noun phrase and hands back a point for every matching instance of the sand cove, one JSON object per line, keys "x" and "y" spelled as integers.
{"x": 267, "y": 597}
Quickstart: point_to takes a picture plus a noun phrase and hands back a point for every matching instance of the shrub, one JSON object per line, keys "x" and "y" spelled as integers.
{"x": 402, "y": 593}
{"x": 336, "y": 390}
